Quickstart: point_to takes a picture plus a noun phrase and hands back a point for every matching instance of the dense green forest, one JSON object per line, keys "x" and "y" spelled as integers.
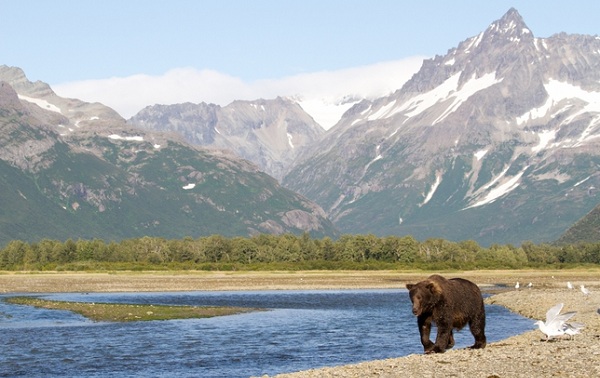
{"x": 289, "y": 252}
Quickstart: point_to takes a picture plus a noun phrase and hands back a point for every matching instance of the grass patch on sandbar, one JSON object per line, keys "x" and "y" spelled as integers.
{"x": 117, "y": 312}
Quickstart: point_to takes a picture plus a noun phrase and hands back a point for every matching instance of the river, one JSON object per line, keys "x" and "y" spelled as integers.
{"x": 299, "y": 330}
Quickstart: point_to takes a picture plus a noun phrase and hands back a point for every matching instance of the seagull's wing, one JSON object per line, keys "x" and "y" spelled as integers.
{"x": 553, "y": 312}
{"x": 559, "y": 321}
{"x": 574, "y": 326}
{"x": 564, "y": 317}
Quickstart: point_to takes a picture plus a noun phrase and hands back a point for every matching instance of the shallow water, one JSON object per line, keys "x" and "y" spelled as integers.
{"x": 300, "y": 330}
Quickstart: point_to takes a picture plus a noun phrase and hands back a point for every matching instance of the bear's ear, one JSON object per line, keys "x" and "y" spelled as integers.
{"x": 410, "y": 286}
{"x": 434, "y": 287}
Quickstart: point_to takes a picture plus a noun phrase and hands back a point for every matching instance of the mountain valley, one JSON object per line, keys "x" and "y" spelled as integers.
{"x": 496, "y": 141}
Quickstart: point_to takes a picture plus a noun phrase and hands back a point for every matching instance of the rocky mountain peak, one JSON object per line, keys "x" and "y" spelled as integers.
{"x": 18, "y": 80}
{"x": 511, "y": 25}
{"x": 9, "y": 99}
{"x": 495, "y": 129}
{"x": 269, "y": 133}
{"x": 504, "y": 37}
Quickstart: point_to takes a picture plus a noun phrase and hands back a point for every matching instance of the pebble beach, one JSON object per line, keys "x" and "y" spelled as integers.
{"x": 526, "y": 355}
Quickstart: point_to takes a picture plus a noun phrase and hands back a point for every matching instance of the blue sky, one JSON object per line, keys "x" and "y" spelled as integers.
{"x": 78, "y": 45}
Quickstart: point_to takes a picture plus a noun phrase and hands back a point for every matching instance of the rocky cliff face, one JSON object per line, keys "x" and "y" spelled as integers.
{"x": 496, "y": 141}
{"x": 70, "y": 169}
{"x": 269, "y": 133}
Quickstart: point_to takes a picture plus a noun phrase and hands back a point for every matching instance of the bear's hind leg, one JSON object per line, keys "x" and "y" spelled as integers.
{"x": 477, "y": 328}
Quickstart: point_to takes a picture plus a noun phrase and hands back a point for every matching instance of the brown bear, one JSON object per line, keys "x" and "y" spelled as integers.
{"x": 449, "y": 304}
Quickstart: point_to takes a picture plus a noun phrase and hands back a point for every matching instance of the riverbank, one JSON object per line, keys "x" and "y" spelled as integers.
{"x": 524, "y": 355}
{"x": 73, "y": 282}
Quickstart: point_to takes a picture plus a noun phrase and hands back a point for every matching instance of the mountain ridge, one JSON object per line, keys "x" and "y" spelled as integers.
{"x": 473, "y": 135}
{"x": 270, "y": 133}
{"x": 495, "y": 141}
{"x": 91, "y": 175}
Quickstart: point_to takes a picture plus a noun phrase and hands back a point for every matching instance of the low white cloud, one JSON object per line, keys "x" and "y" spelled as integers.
{"x": 128, "y": 95}
{"x": 322, "y": 93}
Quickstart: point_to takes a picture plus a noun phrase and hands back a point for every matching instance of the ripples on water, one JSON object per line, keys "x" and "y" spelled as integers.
{"x": 301, "y": 330}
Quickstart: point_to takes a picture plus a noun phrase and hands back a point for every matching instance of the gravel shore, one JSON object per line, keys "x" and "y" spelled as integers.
{"x": 525, "y": 355}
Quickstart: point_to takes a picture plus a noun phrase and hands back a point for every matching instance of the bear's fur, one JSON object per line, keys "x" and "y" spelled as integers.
{"x": 449, "y": 304}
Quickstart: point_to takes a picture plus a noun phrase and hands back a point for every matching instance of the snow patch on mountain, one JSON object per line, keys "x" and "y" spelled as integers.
{"x": 475, "y": 41}
{"x": 582, "y": 181}
{"x": 127, "y": 138}
{"x": 383, "y": 112}
{"x": 326, "y": 96}
{"x": 480, "y": 154}
{"x": 587, "y": 135}
{"x": 559, "y": 91}
{"x": 448, "y": 91}
{"x": 438, "y": 180}
{"x": 468, "y": 89}
{"x": 41, "y": 103}
{"x": 506, "y": 186}
{"x": 325, "y": 112}
{"x": 545, "y": 137}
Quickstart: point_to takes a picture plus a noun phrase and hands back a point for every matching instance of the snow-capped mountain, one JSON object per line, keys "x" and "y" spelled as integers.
{"x": 497, "y": 141}
{"x": 327, "y": 96}
{"x": 269, "y": 133}
{"x": 71, "y": 169}
{"x": 272, "y": 133}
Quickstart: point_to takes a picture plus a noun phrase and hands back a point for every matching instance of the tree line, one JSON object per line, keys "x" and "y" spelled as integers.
{"x": 287, "y": 251}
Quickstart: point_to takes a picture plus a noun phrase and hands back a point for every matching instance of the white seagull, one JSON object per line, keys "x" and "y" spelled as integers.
{"x": 569, "y": 285}
{"x": 530, "y": 285}
{"x": 517, "y": 285}
{"x": 584, "y": 290}
{"x": 555, "y": 323}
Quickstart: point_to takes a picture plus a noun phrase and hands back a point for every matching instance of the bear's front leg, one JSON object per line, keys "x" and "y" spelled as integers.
{"x": 425, "y": 330}
{"x": 450, "y": 341}
{"x": 444, "y": 339}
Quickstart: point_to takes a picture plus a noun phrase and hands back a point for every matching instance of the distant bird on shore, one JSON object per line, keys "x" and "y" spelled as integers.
{"x": 584, "y": 290}
{"x": 554, "y": 326}
{"x": 517, "y": 286}
{"x": 569, "y": 285}
{"x": 530, "y": 285}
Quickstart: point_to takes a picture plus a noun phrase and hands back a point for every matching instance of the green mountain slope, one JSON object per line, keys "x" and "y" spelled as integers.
{"x": 586, "y": 230}
{"x": 96, "y": 177}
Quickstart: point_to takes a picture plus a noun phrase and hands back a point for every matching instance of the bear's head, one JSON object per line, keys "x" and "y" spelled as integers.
{"x": 424, "y": 296}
